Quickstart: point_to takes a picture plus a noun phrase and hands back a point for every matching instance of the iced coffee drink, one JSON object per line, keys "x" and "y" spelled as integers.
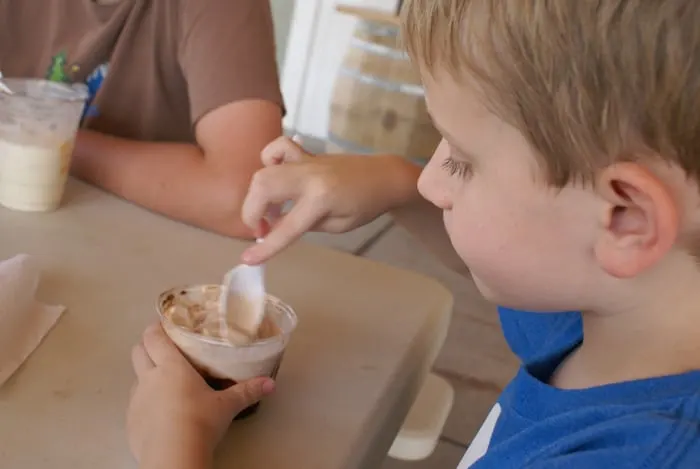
{"x": 38, "y": 125}
{"x": 191, "y": 318}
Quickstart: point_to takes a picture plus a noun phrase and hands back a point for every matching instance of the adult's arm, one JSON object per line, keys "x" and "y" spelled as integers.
{"x": 204, "y": 184}
{"x": 227, "y": 56}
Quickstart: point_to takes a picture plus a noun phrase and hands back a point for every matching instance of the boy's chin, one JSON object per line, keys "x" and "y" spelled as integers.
{"x": 509, "y": 299}
{"x": 487, "y": 292}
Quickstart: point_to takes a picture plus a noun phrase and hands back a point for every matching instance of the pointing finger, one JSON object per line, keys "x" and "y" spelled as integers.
{"x": 306, "y": 213}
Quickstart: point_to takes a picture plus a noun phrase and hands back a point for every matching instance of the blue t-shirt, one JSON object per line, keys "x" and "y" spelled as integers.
{"x": 650, "y": 423}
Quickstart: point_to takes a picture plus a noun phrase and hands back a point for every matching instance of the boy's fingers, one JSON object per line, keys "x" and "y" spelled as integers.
{"x": 247, "y": 393}
{"x": 269, "y": 188}
{"x": 273, "y": 213}
{"x": 301, "y": 218}
{"x": 282, "y": 150}
{"x": 140, "y": 360}
{"x": 159, "y": 347}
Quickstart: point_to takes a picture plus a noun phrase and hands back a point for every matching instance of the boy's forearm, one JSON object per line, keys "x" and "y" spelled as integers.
{"x": 178, "y": 462}
{"x": 170, "y": 178}
{"x": 181, "y": 450}
{"x": 187, "y": 454}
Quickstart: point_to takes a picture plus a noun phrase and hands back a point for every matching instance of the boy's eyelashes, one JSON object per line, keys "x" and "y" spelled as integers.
{"x": 454, "y": 167}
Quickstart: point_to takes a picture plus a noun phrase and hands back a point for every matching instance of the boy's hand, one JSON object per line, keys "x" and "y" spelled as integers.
{"x": 173, "y": 414}
{"x": 332, "y": 193}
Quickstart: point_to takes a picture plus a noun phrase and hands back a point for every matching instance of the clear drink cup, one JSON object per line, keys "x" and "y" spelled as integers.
{"x": 38, "y": 125}
{"x": 190, "y": 317}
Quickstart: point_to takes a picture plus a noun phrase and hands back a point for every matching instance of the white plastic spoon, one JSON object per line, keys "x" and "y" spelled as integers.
{"x": 242, "y": 303}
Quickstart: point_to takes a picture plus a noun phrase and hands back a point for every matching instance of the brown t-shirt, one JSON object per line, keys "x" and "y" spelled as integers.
{"x": 154, "y": 66}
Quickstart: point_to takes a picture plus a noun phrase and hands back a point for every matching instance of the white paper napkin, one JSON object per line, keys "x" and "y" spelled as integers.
{"x": 24, "y": 321}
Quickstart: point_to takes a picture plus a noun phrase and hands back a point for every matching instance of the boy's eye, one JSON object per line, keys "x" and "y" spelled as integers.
{"x": 460, "y": 168}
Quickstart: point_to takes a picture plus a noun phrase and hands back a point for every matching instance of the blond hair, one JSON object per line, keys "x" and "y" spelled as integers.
{"x": 588, "y": 82}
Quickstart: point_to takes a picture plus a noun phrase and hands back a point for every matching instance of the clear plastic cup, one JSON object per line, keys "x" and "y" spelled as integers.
{"x": 221, "y": 363}
{"x": 38, "y": 125}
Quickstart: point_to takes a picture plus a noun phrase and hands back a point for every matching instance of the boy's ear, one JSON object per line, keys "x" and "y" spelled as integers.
{"x": 640, "y": 223}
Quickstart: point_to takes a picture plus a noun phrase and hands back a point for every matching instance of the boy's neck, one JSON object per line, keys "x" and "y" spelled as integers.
{"x": 655, "y": 333}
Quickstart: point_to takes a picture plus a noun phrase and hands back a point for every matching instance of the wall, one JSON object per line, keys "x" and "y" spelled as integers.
{"x": 282, "y": 14}
{"x": 316, "y": 45}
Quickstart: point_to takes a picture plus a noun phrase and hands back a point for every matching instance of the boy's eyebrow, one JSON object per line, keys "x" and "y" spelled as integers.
{"x": 445, "y": 134}
{"x": 442, "y": 130}
{"x": 451, "y": 140}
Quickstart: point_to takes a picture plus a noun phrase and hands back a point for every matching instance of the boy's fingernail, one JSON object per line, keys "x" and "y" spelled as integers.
{"x": 248, "y": 257}
{"x": 268, "y": 386}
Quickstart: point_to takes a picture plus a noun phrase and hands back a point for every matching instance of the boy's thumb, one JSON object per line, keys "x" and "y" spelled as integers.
{"x": 247, "y": 393}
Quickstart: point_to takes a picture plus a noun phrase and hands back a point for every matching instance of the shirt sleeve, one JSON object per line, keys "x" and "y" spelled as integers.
{"x": 227, "y": 53}
{"x": 531, "y": 335}
{"x": 679, "y": 451}
{"x": 663, "y": 434}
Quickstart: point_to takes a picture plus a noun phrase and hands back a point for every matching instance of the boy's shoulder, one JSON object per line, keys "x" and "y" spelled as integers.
{"x": 659, "y": 436}
{"x": 645, "y": 423}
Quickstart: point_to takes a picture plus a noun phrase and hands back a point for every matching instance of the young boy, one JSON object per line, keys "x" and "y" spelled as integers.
{"x": 568, "y": 181}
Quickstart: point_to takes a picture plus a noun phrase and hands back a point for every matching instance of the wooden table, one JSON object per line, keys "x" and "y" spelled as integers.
{"x": 347, "y": 381}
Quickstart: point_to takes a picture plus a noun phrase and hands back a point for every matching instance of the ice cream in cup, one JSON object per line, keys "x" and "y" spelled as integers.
{"x": 191, "y": 318}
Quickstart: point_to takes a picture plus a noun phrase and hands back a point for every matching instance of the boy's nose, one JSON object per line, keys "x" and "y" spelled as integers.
{"x": 434, "y": 184}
